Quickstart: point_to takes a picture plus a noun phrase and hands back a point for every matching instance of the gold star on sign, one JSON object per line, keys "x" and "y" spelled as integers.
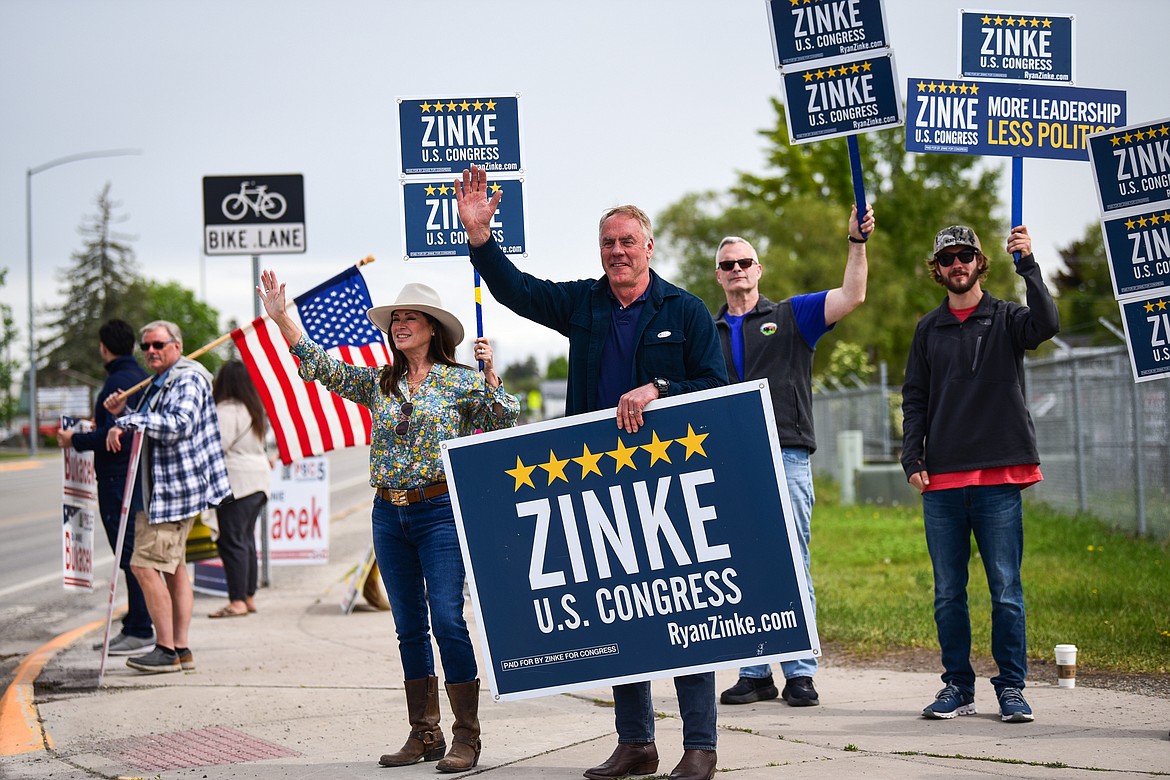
{"x": 465, "y": 105}
{"x": 555, "y": 467}
{"x": 1142, "y": 222}
{"x": 1161, "y": 305}
{"x": 657, "y": 449}
{"x": 963, "y": 88}
{"x": 953, "y": 88}
{"x": 795, "y": 2}
{"x": 1166, "y": 217}
{"x": 451, "y": 105}
{"x": 999, "y": 20}
{"x": 1149, "y": 307}
{"x": 866, "y": 66}
{"x": 438, "y": 106}
{"x": 693, "y": 443}
{"x": 623, "y": 456}
{"x": 1154, "y": 219}
{"x": 1163, "y": 130}
{"x": 855, "y": 68}
{"x": 921, "y": 87}
{"x": 930, "y": 87}
{"x": 1047, "y": 22}
{"x": 974, "y": 89}
{"x": 491, "y": 105}
{"x": 522, "y": 474}
{"x": 1128, "y": 137}
{"x": 1129, "y": 223}
{"x": 1139, "y": 135}
{"x": 985, "y": 20}
{"x": 820, "y": 75}
{"x": 426, "y": 107}
{"x": 443, "y": 189}
{"x": 808, "y": 75}
{"x": 588, "y": 462}
{"x": 494, "y": 187}
{"x": 430, "y": 189}
{"x": 1011, "y": 22}
{"x": 1116, "y": 140}
{"x": 1035, "y": 22}
{"x": 477, "y": 105}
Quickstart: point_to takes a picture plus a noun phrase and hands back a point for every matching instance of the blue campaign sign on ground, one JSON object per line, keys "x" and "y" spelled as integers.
{"x": 1018, "y": 47}
{"x": 1147, "y": 332}
{"x": 842, "y": 97}
{"x": 1009, "y": 120}
{"x": 444, "y": 134}
{"x": 597, "y": 557}
{"x": 1138, "y": 246}
{"x": 1132, "y": 165}
{"x": 431, "y": 225}
{"x": 817, "y": 29}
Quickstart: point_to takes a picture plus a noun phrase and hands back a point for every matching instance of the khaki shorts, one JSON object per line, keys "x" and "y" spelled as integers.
{"x": 161, "y": 546}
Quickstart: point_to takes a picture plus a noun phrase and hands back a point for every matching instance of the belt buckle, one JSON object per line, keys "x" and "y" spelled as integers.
{"x": 398, "y": 496}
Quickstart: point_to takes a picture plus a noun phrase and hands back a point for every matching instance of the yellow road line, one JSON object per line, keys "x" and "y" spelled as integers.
{"x": 20, "y": 728}
{"x": 20, "y": 465}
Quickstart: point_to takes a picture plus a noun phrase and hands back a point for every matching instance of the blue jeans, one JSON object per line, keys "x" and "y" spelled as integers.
{"x": 417, "y": 548}
{"x": 994, "y": 513}
{"x": 136, "y": 621}
{"x": 798, "y": 475}
{"x": 633, "y": 711}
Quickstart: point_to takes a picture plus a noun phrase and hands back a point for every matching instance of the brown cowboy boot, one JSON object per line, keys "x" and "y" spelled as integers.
{"x": 425, "y": 742}
{"x": 628, "y": 758}
{"x": 695, "y": 765}
{"x": 465, "y": 745}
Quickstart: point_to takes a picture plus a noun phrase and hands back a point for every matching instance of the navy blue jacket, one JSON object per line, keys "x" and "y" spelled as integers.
{"x": 963, "y": 403}
{"x": 676, "y": 337}
{"x": 123, "y": 372}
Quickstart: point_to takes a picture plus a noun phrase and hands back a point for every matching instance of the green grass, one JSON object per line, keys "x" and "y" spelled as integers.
{"x": 1084, "y": 584}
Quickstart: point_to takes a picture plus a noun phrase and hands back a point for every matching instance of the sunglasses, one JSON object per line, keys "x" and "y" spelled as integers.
{"x": 744, "y": 263}
{"x": 157, "y": 346}
{"x": 946, "y": 260}
{"x": 403, "y": 427}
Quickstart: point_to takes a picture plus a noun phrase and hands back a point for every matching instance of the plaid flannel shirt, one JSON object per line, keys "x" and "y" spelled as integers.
{"x": 183, "y": 469}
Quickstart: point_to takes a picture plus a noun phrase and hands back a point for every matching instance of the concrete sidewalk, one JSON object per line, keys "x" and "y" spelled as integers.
{"x": 300, "y": 690}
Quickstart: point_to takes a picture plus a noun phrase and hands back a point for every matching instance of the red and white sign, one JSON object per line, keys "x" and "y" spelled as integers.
{"x": 79, "y": 511}
{"x": 298, "y": 513}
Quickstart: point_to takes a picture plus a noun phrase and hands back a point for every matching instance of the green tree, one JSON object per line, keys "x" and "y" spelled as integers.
{"x": 795, "y": 215}
{"x": 1084, "y": 290}
{"x": 558, "y": 368}
{"x": 522, "y": 377}
{"x": 95, "y": 288}
{"x": 8, "y": 367}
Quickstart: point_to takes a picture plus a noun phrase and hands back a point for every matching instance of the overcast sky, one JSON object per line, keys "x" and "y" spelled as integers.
{"x": 634, "y": 101}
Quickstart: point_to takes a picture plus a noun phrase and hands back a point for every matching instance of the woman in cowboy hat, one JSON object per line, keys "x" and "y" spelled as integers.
{"x": 421, "y": 399}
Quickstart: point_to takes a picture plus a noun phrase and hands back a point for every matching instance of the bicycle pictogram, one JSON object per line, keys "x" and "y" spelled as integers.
{"x": 257, "y": 198}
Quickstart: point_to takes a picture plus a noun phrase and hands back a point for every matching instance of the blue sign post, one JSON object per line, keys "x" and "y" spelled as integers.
{"x": 841, "y": 97}
{"x": 1008, "y": 120}
{"x": 825, "y": 29}
{"x": 1016, "y": 47}
{"x": 599, "y": 557}
{"x": 444, "y": 135}
{"x": 431, "y": 219}
{"x": 1147, "y": 330}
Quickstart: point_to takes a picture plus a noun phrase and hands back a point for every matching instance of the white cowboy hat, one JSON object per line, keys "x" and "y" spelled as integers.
{"x": 418, "y": 297}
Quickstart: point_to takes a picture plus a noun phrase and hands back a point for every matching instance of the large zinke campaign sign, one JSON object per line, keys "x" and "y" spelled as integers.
{"x": 599, "y": 557}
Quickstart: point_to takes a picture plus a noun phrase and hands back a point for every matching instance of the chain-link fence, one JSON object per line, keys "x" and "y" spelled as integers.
{"x": 1104, "y": 440}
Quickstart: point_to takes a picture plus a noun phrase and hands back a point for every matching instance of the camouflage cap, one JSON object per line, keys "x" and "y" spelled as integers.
{"x": 956, "y": 235}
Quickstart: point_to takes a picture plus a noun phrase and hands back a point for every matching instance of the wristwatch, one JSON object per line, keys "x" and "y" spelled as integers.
{"x": 662, "y": 386}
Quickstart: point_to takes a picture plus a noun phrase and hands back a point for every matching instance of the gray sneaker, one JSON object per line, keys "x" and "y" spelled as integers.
{"x": 129, "y": 645}
{"x": 157, "y": 660}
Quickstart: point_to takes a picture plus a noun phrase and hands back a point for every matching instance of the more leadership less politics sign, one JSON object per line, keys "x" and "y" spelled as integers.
{"x": 600, "y": 557}
{"x": 1004, "y": 119}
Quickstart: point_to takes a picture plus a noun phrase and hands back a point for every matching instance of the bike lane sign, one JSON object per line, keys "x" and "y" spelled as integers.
{"x": 431, "y": 219}
{"x": 254, "y": 214}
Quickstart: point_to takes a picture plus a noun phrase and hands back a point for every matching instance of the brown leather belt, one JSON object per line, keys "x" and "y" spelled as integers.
{"x": 408, "y": 496}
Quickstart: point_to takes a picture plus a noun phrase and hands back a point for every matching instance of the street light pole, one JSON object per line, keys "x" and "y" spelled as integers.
{"x": 33, "y": 427}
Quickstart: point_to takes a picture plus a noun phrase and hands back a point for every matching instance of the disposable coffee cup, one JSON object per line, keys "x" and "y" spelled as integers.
{"x": 1066, "y": 666}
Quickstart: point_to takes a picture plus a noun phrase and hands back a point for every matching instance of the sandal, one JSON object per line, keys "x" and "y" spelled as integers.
{"x": 227, "y": 611}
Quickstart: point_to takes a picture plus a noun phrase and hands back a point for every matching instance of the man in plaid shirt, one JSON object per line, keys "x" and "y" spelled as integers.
{"x": 182, "y": 473}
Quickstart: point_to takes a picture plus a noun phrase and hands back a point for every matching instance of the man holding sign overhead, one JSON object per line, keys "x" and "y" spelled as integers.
{"x": 969, "y": 447}
{"x": 633, "y": 338}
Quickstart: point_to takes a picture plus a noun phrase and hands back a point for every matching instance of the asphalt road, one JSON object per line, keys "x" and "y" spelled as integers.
{"x": 34, "y": 607}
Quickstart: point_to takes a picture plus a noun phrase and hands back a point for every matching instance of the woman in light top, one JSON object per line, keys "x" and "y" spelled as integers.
{"x": 420, "y": 400}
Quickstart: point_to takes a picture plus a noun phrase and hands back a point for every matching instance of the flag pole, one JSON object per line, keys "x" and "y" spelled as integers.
{"x": 122, "y": 395}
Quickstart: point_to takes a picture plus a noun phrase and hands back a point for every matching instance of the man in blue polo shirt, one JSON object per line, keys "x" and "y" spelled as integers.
{"x": 633, "y": 338}
{"x": 775, "y": 341}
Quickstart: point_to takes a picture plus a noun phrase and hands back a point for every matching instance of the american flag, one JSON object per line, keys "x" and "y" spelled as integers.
{"x": 306, "y": 418}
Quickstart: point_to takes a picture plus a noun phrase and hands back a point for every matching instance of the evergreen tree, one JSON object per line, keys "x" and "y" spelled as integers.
{"x": 95, "y": 288}
{"x": 795, "y": 215}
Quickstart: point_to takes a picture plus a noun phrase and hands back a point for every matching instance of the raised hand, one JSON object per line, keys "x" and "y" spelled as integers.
{"x": 476, "y": 209}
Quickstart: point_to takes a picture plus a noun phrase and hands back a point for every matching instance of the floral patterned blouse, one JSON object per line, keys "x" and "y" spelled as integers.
{"x": 452, "y": 401}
